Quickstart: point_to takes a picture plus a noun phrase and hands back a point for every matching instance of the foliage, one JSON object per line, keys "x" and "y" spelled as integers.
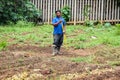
{"x": 86, "y": 15}
{"x": 89, "y": 23}
{"x": 78, "y": 37}
{"x": 14, "y": 10}
{"x": 118, "y": 29}
{"x": 107, "y": 25}
{"x": 87, "y": 59}
{"x": 66, "y": 13}
{"x": 86, "y": 11}
{"x": 3, "y": 45}
{"x": 109, "y": 55}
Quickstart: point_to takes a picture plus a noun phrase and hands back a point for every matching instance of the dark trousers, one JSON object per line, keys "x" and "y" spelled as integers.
{"x": 58, "y": 40}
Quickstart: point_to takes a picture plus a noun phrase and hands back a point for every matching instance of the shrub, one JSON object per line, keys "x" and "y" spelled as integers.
{"x": 107, "y": 25}
{"x": 89, "y": 23}
{"x": 15, "y": 10}
{"x": 118, "y": 29}
{"x": 3, "y": 45}
{"x": 24, "y": 24}
{"x": 66, "y": 13}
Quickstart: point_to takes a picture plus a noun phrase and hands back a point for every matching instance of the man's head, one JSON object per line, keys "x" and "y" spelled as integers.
{"x": 58, "y": 13}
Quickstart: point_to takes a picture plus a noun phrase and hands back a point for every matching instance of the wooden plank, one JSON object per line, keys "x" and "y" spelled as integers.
{"x": 91, "y": 10}
{"x": 43, "y": 2}
{"x": 48, "y": 11}
{"x": 118, "y": 13}
{"x": 99, "y": 11}
{"x": 38, "y": 4}
{"x": 80, "y": 10}
{"x": 77, "y": 10}
{"x": 112, "y": 11}
{"x": 72, "y": 10}
{"x": 96, "y": 15}
{"x": 94, "y": 9}
{"x": 51, "y": 13}
{"x": 102, "y": 10}
{"x": 83, "y": 10}
{"x": 116, "y": 10}
{"x": 75, "y": 13}
{"x": 59, "y": 4}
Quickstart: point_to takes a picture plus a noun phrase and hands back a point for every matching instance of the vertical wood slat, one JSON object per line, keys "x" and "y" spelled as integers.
{"x": 102, "y": 11}
{"x": 80, "y": 11}
{"x": 110, "y": 9}
{"x": 99, "y": 10}
{"x": 118, "y": 13}
{"x": 48, "y": 11}
{"x": 94, "y": 10}
{"x": 75, "y": 13}
{"x": 113, "y": 10}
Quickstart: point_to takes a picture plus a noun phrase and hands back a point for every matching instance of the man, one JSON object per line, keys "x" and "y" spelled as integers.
{"x": 59, "y": 30}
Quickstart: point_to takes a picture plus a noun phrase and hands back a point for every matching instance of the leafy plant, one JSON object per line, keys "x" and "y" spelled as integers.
{"x": 86, "y": 15}
{"x": 89, "y": 23}
{"x": 3, "y": 45}
{"x": 66, "y": 13}
{"x": 15, "y": 10}
{"x": 87, "y": 59}
{"x": 107, "y": 25}
{"x": 118, "y": 29}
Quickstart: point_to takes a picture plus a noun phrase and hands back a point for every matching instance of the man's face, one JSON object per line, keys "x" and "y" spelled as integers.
{"x": 58, "y": 14}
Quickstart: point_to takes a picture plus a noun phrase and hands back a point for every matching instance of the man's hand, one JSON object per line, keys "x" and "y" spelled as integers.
{"x": 60, "y": 21}
{"x": 64, "y": 32}
{"x": 57, "y": 23}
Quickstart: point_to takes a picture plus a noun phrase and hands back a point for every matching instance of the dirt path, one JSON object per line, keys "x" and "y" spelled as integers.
{"x": 38, "y": 60}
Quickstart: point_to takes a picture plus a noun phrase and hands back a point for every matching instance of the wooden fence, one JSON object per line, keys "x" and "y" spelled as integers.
{"x": 100, "y": 10}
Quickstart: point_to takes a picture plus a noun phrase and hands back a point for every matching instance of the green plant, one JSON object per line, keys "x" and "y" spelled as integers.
{"x": 66, "y": 13}
{"x": 24, "y": 24}
{"x": 114, "y": 63}
{"x": 15, "y": 10}
{"x": 107, "y": 25}
{"x": 89, "y": 23}
{"x": 87, "y": 59}
{"x": 3, "y": 45}
{"x": 86, "y": 15}
{"x": 118, "y": 29}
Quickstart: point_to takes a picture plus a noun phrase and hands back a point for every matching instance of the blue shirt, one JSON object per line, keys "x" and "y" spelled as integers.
{"x": 58, "y": 29}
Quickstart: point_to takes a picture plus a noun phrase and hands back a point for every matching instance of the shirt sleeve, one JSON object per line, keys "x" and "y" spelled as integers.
{"x": 53, "y": 21}
{"x": 64, "y": 22}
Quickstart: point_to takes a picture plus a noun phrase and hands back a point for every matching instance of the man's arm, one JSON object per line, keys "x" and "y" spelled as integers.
{"x": 64, "y": 28}
{"x": 55, "y": 24}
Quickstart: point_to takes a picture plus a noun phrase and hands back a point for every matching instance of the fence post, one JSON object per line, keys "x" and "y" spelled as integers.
{"x": 75, "y": 14}
{"x": 48, "y": 11}
{"x": 102, "y": 12}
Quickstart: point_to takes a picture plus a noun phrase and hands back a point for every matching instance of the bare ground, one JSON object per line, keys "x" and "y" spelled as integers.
{"x": 34, "y": 59}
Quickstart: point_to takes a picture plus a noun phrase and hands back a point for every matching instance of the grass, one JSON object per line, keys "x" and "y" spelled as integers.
{"x": 87, "y": 59}
{"x": 3, "y": 45}
{"x": 78, "y": 37}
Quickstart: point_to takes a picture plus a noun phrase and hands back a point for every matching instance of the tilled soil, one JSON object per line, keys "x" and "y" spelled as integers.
{"x": 33, "y": 59}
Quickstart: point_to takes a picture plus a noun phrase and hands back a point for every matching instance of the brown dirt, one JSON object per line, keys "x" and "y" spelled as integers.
{"x": 35, "y": 59}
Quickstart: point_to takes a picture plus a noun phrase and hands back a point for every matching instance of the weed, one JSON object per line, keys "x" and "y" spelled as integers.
{"x": 3, "y": 45}
{"x": 114, "y": 63}
{"x": 87, "y": 59}
{"x": 118, "y": 29}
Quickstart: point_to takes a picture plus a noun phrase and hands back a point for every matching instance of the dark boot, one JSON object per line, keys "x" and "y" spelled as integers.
{"x": 58, "y": 50}
{"x": 54, "y": 50}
